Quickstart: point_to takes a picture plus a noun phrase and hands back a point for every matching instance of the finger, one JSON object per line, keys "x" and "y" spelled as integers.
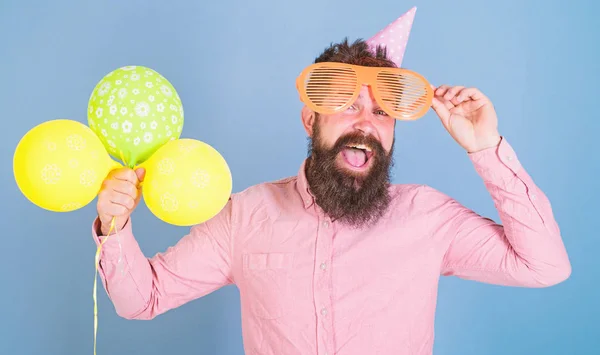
{"x": 123, "y": 187}
{"x": 109, "y": 196}
{"x": 440, "y": 91}
{"x": 140, "y": 173}
{"x": 469, "y": 93}
{"x": 123, "y": 200}
{"x": 114, "y": 210}
{"x": 126, "y": 174}
{"x": 451, "y": 93}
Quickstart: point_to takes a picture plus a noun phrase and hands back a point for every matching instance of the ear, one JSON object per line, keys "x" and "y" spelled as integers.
{"x": 308, "y": 120}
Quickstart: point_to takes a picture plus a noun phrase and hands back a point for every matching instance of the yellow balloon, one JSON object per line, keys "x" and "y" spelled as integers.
{"x": 59, "y": 165}
{"x": 187, "y": 182}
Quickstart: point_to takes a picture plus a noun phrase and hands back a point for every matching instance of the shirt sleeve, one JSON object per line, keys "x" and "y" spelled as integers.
{"x": 526, "y": 250}
{"x": 142, "y": 288}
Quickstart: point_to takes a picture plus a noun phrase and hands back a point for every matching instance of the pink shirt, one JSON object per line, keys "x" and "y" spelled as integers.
{"x": 312, "y": 286}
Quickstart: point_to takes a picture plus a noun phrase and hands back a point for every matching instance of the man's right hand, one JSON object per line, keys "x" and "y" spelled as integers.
{"x": 119, "y": 196}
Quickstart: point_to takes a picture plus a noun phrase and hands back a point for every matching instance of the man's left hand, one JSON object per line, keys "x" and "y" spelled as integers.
{"x": 468, "y": 116}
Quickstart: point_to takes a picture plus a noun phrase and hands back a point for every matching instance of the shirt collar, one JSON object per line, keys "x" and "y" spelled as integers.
{"x": 303, "y": 188}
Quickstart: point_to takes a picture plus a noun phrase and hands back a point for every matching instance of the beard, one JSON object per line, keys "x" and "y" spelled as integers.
{"x": 357, "y": 199}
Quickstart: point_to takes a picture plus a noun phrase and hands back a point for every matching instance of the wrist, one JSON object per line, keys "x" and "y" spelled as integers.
{"x": 491, "y": 142}
{"x": 105, "y": 226}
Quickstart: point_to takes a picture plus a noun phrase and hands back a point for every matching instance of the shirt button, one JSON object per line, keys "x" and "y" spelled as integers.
{"x": 325, "y": 224}
{"x": 533, "y": 197}
{"x": 323, "y": 266}
{"x": 509, "y": 157}
{"x": 324, "y": 311}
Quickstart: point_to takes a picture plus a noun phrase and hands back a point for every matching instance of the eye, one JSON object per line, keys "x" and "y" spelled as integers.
{"x": 351, "y": 109}
{"x": 381, "y": 113}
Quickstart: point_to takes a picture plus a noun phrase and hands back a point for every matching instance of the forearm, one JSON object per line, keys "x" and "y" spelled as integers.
{"x": 142, "y": 288}
{"x": 126, "y": 273}
{"x": 526, "y": 249}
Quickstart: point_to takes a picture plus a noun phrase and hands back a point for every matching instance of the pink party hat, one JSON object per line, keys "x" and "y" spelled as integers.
{"x": 395, "y": 36}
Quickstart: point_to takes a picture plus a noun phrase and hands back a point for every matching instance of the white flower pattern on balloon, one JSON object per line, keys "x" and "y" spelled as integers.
{"x": 87, "y": 177}
{"x": 126, "y": 126}
{"x": 169, "y": 202}
{"x": 166, "y": 90}
{"x": 148, "y": 137}
{"x": 76, "y": 142}
{"x": 200, "y": 178}
{"x": 142, "y": 109}
{"x": 166, "y": 166}
{"x": 186, "y": 147}
{"x": 104, "y": 89}
{"x": 51, "y": 174}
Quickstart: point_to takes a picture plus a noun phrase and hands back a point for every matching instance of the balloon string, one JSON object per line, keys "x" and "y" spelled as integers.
{"x": 97, "y": 263}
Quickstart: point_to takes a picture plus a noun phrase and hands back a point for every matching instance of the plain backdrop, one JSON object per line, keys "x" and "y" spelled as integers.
{"x": 234, "y": 64}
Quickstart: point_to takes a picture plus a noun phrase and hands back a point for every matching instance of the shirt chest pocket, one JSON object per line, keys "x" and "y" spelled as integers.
{"x": 267, "y": 279}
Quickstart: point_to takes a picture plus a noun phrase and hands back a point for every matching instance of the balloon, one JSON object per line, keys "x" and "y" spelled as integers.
{"x": 187, "y": 182}
{"x": 59, "y": 165}
{"x": 134, "y": 111}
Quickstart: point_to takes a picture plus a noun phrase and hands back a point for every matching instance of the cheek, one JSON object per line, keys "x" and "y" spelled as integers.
{"x": 386, "y": 132}
{"x": 330, "y": 130}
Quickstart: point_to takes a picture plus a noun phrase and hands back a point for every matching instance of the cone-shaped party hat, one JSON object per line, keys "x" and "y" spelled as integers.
{"x": 395, "y": 36}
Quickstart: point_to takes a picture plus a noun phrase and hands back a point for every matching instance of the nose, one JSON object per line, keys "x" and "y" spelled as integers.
{"x": 364, "y": 124}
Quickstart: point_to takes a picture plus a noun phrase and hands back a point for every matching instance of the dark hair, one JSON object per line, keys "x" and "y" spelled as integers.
{"x": 357, "y": 53}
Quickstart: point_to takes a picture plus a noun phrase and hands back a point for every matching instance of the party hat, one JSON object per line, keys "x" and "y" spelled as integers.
{"x": 395, "y": 36}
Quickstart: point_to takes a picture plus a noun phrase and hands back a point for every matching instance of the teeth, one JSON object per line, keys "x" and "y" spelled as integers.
{"x": 361, "y": 146}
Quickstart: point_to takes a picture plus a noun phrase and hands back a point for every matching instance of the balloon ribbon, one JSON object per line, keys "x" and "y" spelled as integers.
{"x": 97, "y": 263}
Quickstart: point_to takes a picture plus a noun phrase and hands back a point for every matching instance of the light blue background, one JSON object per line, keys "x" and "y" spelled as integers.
{"x": 234, "y": 65}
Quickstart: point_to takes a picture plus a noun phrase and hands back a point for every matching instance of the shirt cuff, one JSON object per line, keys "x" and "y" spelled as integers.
{"x": 497, "y": 164}
{"x": 117, "y": 243}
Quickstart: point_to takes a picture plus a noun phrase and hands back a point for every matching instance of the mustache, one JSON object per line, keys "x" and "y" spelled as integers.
{"x": 358, "y": 138}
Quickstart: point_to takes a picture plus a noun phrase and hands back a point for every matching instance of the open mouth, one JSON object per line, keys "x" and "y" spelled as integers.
{"x": 357, "y": 156}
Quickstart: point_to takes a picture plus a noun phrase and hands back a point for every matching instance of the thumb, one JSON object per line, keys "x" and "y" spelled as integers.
{"x": 441, "y": 110}
{"x": 141, "y": 173}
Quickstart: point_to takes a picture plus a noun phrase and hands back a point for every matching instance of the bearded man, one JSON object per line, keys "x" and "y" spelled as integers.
{"x": 339, "y": 260}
